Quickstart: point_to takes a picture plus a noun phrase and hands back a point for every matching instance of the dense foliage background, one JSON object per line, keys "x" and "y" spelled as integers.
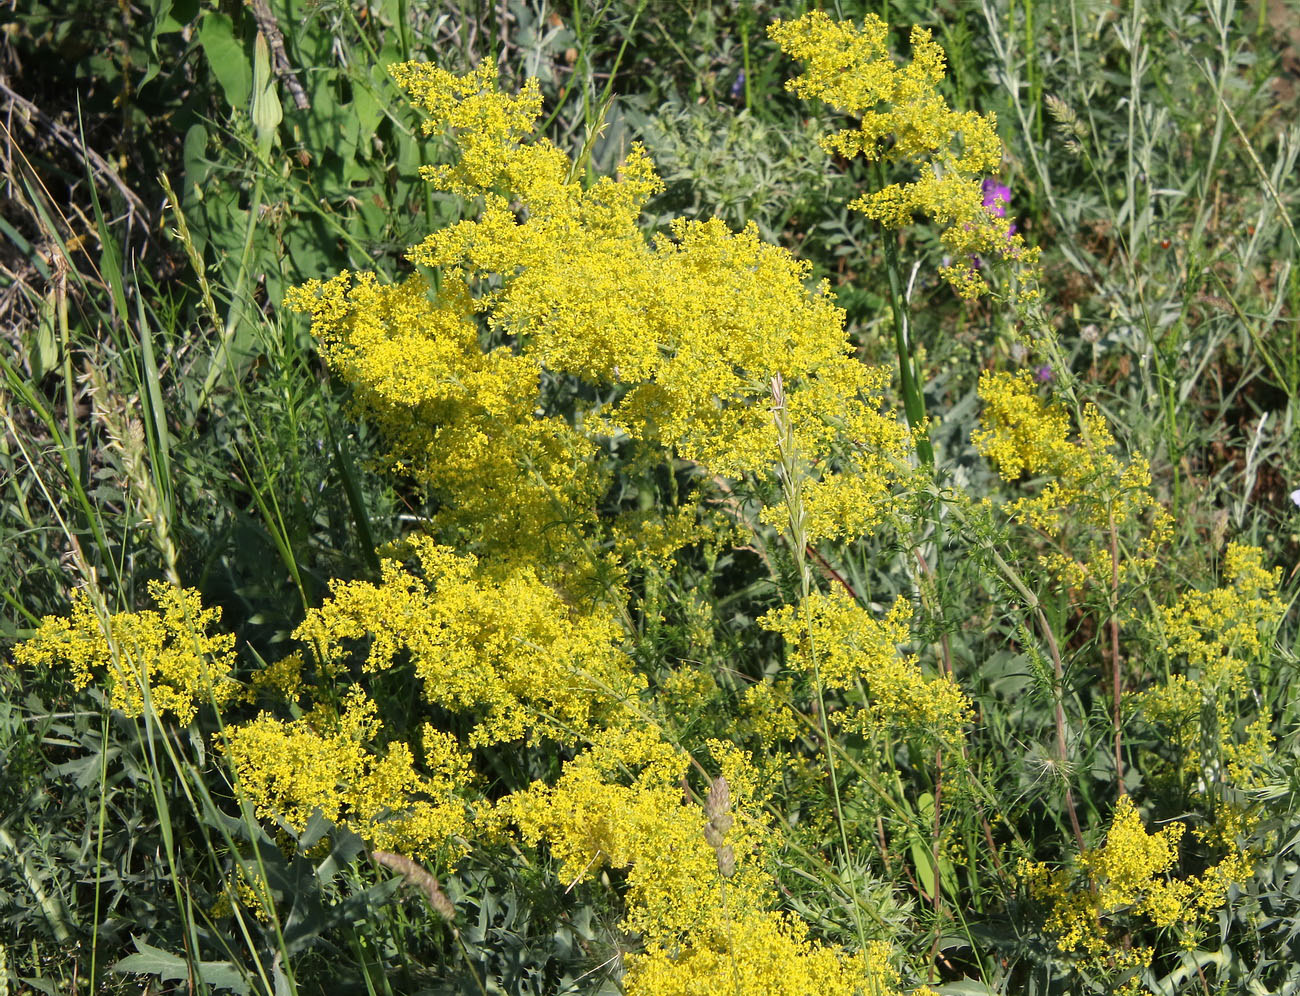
{"x": 171, "y": 169}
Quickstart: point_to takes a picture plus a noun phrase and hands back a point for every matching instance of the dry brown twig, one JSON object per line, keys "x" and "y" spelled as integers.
{"x": 69, "y": 139}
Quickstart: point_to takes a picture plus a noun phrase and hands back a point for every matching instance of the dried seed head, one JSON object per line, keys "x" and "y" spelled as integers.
{"x": 421, "y": 879}
{"x": 726, "y": 861}
{"x": 1069, "y": 128}
{"x": 718, "y": 800}
{"x": 717, "y": 806}
{"x": 1060, "y": 111}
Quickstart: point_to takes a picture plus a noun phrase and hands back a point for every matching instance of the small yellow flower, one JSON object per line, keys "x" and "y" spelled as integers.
{"x": 832, "y": 636}
{"x": 1132, "y": 876}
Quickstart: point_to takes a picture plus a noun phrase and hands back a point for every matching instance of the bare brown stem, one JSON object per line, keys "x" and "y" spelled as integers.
{"x": 831, "y": 574}
{"x": 270, "y": 28}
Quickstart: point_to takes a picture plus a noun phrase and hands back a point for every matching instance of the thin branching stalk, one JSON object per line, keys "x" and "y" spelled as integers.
{"x": 1116, "y": 666}
{"x": 791, "y": 476}
{"x": 1058, "y": 689}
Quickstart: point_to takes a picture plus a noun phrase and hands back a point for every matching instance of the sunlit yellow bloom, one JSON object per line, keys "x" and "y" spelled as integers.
{"x": 168, "y": 652}
{"x": 830, "y": 635}
{"x": 506, "y": 650}
{"x": 905, "y": 119}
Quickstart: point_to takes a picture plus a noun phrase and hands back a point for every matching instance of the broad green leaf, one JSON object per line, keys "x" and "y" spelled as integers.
{"x": 226, "y": 57}
{"x": 168, "y": 967}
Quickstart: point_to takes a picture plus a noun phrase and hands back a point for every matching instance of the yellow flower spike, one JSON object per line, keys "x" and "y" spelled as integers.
{"x": 1131, "y": 858}
{"x": 1220, "y": 632}
{"x": 488, "y": 125}
{"x": 463, "y": 422}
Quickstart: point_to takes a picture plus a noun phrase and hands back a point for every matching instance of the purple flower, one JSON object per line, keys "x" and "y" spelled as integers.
{"x": 996, "y": 197}
{"x": 1044, "y": 373}
{"x": 739, "y": 85}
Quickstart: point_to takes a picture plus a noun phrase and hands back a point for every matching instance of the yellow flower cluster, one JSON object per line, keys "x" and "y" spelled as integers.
{"x": 832, "y": 636}
{"x": 765, "y": 712}
{"x": 167, "y": 653}
{"x": 507, "y": 650}
{"x": 648, "y": 539}
{"x": 684, "y": 333}
{"x": 327, "y": 761}
{"x": 766, "y": 955}
{"x": 463, "y": 422}
{"x": 904, "y": 118}
{"x": 1174, "y": 707}
{"x": 1131, "y": 875}
{"x": 487, "y": 124}
{"x": 1086, "y": 484}
{"x": 619, "y": 805}
{"x": 245, "y": 886}
{"x": 1023, "y": 433}
{"x": 1219, "y": 634}
{"x": 698, "y": 891}
{"x": 279, "y": 681}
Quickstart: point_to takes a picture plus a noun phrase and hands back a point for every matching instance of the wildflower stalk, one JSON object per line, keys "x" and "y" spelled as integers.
{"x": 929, "y": 595}
{"x": 1116, "y": 682}
{"x": 239, "y": 299}
{"x": 934, "y": 861}
{"x": 1058, "y": 678}
{"x": 717, "y": 806}
{"x": 418, "y": 876}
{"x": 913, "y": 398}
{"x": 125, "y": 434}
{"x": 182, "y": 232}
{"x": 65, "y": 348}
{"x": 791, "y": 486}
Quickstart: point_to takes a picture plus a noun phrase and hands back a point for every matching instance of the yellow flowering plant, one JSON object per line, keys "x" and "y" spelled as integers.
{"x": 1217, "y": 739}
{"x": 676, "y": 636}
{"x": 905, "y": 119}
{"x": 679, "y": 336}
{"x": 683, "y": 331}
{"x": 1132, "y": 880}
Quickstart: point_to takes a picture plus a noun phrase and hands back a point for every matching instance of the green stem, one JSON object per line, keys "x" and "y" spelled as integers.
{"x": 222, "y": 359}
{"x": 744, "y": 48}
{"x": 791, "y": 486}
{"x": 913, "y": 398}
